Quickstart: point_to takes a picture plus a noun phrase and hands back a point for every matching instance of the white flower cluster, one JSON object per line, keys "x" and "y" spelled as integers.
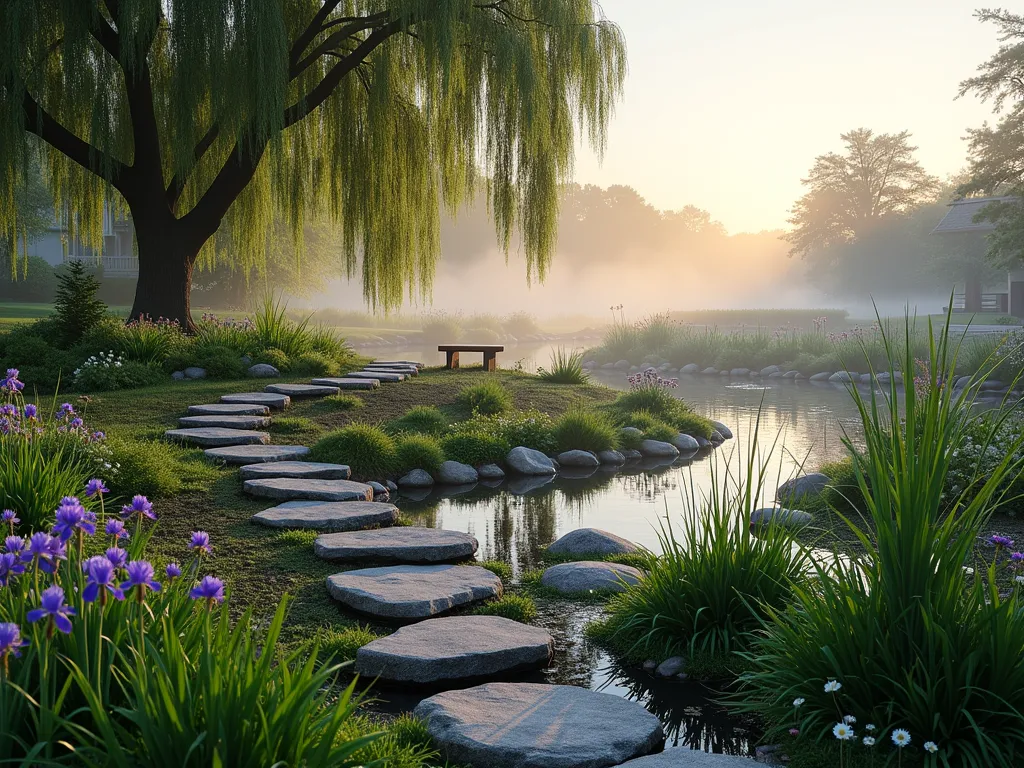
{"x": 976, "y": 457}
{"x": 104, "y": 360}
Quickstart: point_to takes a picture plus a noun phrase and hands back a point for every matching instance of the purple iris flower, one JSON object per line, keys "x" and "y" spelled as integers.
{"x": 45, "y": 550}
{"x": 10, "y": 566}
{"x": 201, "y": 541}
{"x": 101, "y": 580}
{"x": 116, "y": 529}
{"x": 52, "y": 608}
{"x": 210, "y": 589}
{"x": 76, "y": 423}
{"x": 30, "y": 411}
{"x": 14, "y": 544}
{"x": 71, "y": 517}
{"x": 173, "y": 571}
{"x": 66, "y": 408}
{"x": 140, "y": 578}
{"x": 95, "y": 486}
{"x": 1001, "y": 541}
{"x": 117, "y": 556}
{"x": 10, "y": 640}
{"x": 97, "y": 436}
{"x": 10, "y": 517}
{"x": 140, "y": 506}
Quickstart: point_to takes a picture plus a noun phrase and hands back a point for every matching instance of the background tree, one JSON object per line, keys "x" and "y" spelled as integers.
{"x": 850, "y": 193}
{"x": 191, "y": 113}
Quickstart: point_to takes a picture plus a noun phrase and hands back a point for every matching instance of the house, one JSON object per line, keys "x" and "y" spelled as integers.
{"x": 118, "y": 258}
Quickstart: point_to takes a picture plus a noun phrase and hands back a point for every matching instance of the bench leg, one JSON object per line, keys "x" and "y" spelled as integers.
{"x": 452, "y": 360}
{"x": 490, "y": 361}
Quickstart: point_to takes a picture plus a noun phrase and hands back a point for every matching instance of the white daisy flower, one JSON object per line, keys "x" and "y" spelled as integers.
{"x": 832, "y": 686}
{"x": 870, "y": 727}
{"x": 900, "y": 738}
{"x": 798, "y": 702}
{"x": 931, "y": 746}
{"x": 869, "y": 741}
{"x": 842, "y": 731}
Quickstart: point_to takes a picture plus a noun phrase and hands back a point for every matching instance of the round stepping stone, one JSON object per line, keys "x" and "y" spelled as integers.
{"x": 532, "y": 725}
{"x": 455, "y": 648}
{"x": 681, "y": 757}
{"x": 591, "y": 541}
{"x": 378, "y": 375}
{"x": 228, "y": 409}
{"x": 310, "y": 470}
{"x": 216, "y": 437}
{"x": 289, "y": 489}
{"x": 569, "y": 578}
{"x": 269, "y": 399}
{"x": 407, "y": 544}
{"x": 347, "y": 383}
{"x": 229, "y": 422}
{"x": 256, "y": 454}
{"x": 301, "y": 390}
{"x": 328, "y": 515}
{"x": 413, "y": 591}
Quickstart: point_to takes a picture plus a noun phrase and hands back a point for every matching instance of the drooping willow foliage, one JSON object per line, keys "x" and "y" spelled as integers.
{"x": 375, "y": 113}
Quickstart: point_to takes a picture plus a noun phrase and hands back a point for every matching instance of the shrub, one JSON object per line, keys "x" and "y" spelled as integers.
{"x": 151, "y": 467}
{"x": 566, "y": 368}
{"x": 418, "y": 452}
{"x": 532, "y": 429}
{"x": 441, "y": 327}
{"x": 149, "y": 342}
{"x": 76, "y": 308}
{"x": 106, "y": 371}
{"x": 487, "y": 398}
{"x": 516, "y": 607}
{"x": 424, "y": 419}
{"x": 585, "y": 430}
{"x": 521, "y": 324}
{"x": 340, "y": 645}
{"x": 35, "y": 281}
{"x": 314, "y": 364}
{"x": 342, "y": 402}
{"x": 369, "y": 451}
{"x": 41, "y": 363}
{"x": 474, "y": 448}
{"x": 220, "y": 362}
{"x": 620, "y": 343}
{"x": 273, "y": 356}
{"x": 656, "y": 332}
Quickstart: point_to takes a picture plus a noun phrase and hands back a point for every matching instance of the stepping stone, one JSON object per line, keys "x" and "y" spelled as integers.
{"x": 413, "y": 363}
{"x": 681, "y": 757}
{"x": 289, "y": 489}
{"x": 393, "y": 369}
{"x": 216, "y": 437}
{"x": 301, "y": 390}
{"x": 589, "y": 576}
{"x": 228, "y": 409}
{"x": 532, "y": 725}
{"x": 256, "y": 454}
{"x": 269, "y": 399}
{"x": 347, "y": 383}
{"x": 455, "y": 648}
{"x": 309, "y": 470}
{"x": 406, "y": 544}
{"x": 413, "y": 591}
{"x": 378, "y": 375}
{"x": 230, "y": 422}
{"x": 592, "y": 541}
{"x": 328, "y": 515}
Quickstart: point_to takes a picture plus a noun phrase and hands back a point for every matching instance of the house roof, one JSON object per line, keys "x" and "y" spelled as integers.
{"x": 961, "y": 213}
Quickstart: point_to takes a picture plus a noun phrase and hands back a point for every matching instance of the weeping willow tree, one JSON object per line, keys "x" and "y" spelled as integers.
{"x": 193, "y": 115}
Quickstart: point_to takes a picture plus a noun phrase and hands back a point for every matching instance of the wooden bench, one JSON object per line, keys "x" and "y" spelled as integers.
{"x": 490, "y": 353}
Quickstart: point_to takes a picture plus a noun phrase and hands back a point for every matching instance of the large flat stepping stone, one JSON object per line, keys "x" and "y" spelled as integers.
{"x": 413, "y": 591}
{"x": 216, "y": 437}
{"x": 328, "y": 515}
{"x": 407, "y": 544}
{"x": 590, "y": 576}
{"x": 378, "y": 375}
{"x": 592, "y": 541}
{"x": 302, "y": 390}
{"x": 413, "y": 363}
{"x": 532, "y": 725}
{"x": 290, "y": 489}
{"x": 269, "y": 399}
{"x": 256, "y": 454}
{"x": 455, "y": 648}
{"x": 404, "y": 370}
{"x": 230, "y": 422}
{"x": 228, "y": 409}
{"x": 681, "y": 757}
{"x": 344, "y": 383}
{"x": 308, "y": 470}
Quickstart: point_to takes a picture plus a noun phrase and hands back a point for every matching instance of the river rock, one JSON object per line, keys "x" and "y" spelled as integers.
{"x": 228, "y": 409}
{"x": 344, "y": 383}
{"x": 301, "y": 390}
{"x": 822, "y": 376}
{"x": 632, "y": 432}
{"x": 703, "y": 442}
{"x": 723, "y": 430}
{"x": 328, "y": 515}
{"x": 682, "y": 757}
{"x": 658, "y": 449}
{"x": 777, "y": 375}
{"x": 228, "y": 422}
{"x": 256, "y": 454}
{"x": 608, "y": 366}
{"x": 405, "y": 544}
{"x": 685, "y": 443}
{"x": 715, "y": 438}
{"x": 589, "y": 576}
{"x": 804, "y": 485}
{"x": 380, "y": 492}
{"x": 178, "y": 375}
{"x": 263, "y": 371}
{"x": 790, "y": 518}
{"x": 842, "y": 377}
{"x": 292, "y": 489}
{"x": 690, "y": 368}
{"x": 533, "y": 725}
{"x": 195, "y": 372}
{"x": 631, "y": 454}
{"x": 989, "y": 385}
{"x": 455, "y": 473}
{"x": 455, "y": 648}
{"x": 269, "y": 399}
{"x": 709, "y": 371}
{"x": 313, "y": 470}
{"x": 577, "y": 459}
{"x": 790, "y": 374}
{"x": 611, "y": 458}
{"x": 413, "y": 591}
{"x": 216, "y": 437}
{"x": 490, "y": 472}
{"x": 670, "y": 667}
{"x": 522, "y": 485}
{"x": 417, "y": 478}
{"x": 769, "y": 370}
{"x": 739, "y": 372}
{"x": 592, "y": 541}
{"x": 622, "y": 365}
{"x": 527, "y": 461}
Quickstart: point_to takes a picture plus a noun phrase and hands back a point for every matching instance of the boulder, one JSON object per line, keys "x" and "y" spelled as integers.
{"x": 490, "y": 472}
{"x": 790, "y": 374}
{"x": 608, "y": 366}
{"x": 592, "y": 541}
{"x": 989, "y": 385}
{"x": 413, "y": 591}
{"x": 709, "y": 371}
{"x": 685, "y": 443}
{"x": 769, "y": 370}
{"x": 303, "y": 469}
{"x": 455, "y": 473}
{"x": 216, "y": 437}
{"x": 418, "y": 478}
{"x": 632, "y": 432}
{"x": 589, "y": 576}
{"x": 739, "y": 372}
{"x": 228, "y": 422}
{"x": 178, "y": 375}
{"x": 804, "y": 485}
{"x": 577, "y": 459}
{"x": 789, "y": 518}
{"x": 842, "y": 377}
{"x": 256, "y": 454}
{"x": 658, "y": 449}
{"x": 292, "y": 489}
{"x": 455, "y": 648}
{"x": 195, "y": 372}
{"x": 670, "y": 667}
{"x": 703, "y": 442}
{"x": 328, "y": 515}
{"x": 527, "y": 461}
{"x": 228, "y": 409}
{"x": 777, "y": 375}
{"x": 263, "y": 371}
{"x": 715, "y": 438}
{"x": 404, "y": 544}
{"x": 690, "y": 368}
{"x": 534, "y": 725}
{"x": 866, "y": 378}
{"x": 631, "y": 454}
{"x": 723, "y": 430}
{"x": 301, "y": 390}
{"x": 611, "y": 458}
{"x": 268, "y": 399}
{"x": 823, "y": 376}
{"x": 380, "y": 492}
{"x": 622, "y": 365}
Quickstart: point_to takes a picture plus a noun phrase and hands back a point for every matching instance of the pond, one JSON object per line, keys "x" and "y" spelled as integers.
{"x": 515, "y": 519}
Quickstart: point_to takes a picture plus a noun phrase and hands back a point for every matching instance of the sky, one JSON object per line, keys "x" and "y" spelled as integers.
{"x": 727, "y": 103}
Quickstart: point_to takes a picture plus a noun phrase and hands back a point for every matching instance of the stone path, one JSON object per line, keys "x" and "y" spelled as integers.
{"x": 305, "y": 470}
{"x": 229, "y": 422}
{"x": 328, "y": 515}
{"x": 228, "y": 409}
{"x": 302, "y": 390}
{"x": 256, "y": 454}
{"x": 345, "y": 383}
{"x": 216, "y": 437}
{"x": 269, "y": 399}
{"x": 407, "y": 544}
{"x": 293, "y": 489}
{"x": 378, "y": 376}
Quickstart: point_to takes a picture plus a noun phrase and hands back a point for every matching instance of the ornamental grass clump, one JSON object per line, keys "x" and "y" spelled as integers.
{"x": 579, "y": 429}
{"x": 368, "y": 450}
{"x": 424, "y": 419}
{"x": 486, "y": 399}
{"x": 912, "y": 628}
{"x": 418, "y": 452}
{"x": 566, "y": 368}
{"x": 651, "y": 394}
